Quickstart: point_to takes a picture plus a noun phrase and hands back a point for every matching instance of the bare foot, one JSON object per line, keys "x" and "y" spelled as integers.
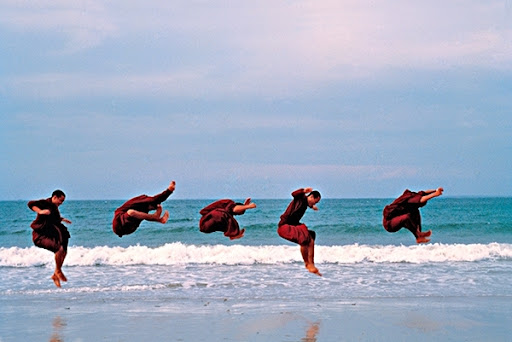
{"x": 311, "y": 268}
{"x": 422, "y": 239}
{"x": 165, "y": 217}
{"x": 56, "y": 280}
{"x": 172, "y": 186}
{"x": 238, "y": 236}
{"x": 61, "y": 275}
{"x": 425, "y": 234}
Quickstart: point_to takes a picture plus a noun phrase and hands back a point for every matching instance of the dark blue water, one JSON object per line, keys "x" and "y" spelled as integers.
{"x": 337, "y": 222}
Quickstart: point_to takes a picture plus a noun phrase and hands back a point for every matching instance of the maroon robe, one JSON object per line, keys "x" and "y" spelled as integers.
{"x": 290, "y": 227}
{"x": 124, "y": 224}
{"x": 404, "y": 213}
{"x": 218, "y": 217}
{"x": 48, "y": 231}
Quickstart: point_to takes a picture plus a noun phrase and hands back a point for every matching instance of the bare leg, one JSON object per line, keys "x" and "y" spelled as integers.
{"x": 57, "y": 276}
{"x": 155, "y": 217}
{"x": 421, "y": 237}
{"x": 158, "y": 211}
{"x": 308, "y": 254}
{"x": 412, "y": 222}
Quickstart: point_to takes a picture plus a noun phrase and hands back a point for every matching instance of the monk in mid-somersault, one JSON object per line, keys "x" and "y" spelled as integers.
{"x": 291, "y": 229}
{"x": 404, "y": 213}
{"x": 219, "y": 217}
{"x": 129, "y": 216}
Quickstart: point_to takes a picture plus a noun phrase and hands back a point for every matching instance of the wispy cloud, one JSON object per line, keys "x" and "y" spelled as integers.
{"x": 83, "y": 25}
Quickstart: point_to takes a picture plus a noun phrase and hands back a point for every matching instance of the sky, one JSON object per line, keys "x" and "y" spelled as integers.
{"x": 237, "y": 99}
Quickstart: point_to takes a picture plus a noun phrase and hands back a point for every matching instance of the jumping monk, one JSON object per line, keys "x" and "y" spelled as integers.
{"x": 404, "y": 213}
{"x": 49, "y": 232}
{"x": 219, "y": 217}
{"x": 291, "y": 229}
{"x": 129, "y": 216}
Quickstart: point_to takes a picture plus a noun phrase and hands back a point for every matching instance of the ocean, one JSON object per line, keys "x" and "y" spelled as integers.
{"x": 171, "y": 282}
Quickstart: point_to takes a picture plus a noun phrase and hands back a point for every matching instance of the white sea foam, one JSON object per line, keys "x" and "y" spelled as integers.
{"x": 87, "y": 289}
{"x": 183, "y": 254}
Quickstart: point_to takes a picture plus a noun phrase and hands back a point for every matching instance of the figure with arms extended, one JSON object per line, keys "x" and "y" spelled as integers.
{"x": 404, "y": 213}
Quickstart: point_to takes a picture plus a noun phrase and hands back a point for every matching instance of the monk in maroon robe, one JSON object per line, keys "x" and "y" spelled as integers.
{"x": 219, "y": 217}
{"x": 404, "y": 213}
{"x": 291, "y": 229}
{"x": 129, "y": 216}
{"x": 49, "y": 232}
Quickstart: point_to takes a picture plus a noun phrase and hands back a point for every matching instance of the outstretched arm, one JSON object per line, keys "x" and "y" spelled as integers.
{"x": 239, "y": 209}
{"x": 431, "y": 194}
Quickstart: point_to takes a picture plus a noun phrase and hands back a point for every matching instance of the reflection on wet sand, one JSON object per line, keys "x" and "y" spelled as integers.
{"x": 311, "y": 332}
{"x": 58, "y": 323}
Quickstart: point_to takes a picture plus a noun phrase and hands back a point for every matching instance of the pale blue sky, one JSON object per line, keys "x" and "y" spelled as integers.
{"x": 111, "y": 99}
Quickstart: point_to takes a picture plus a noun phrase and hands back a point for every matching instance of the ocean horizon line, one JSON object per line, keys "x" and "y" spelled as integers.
{"x": 271, "y": 198}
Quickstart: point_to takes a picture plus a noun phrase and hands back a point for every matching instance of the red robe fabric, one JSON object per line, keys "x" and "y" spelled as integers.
{"x": 124, "y": 224}
{"x": 219, "y": 217}
{"x": 404, "y": 212}
{"x": 48, "y": 231}
{"x": 290, "y": 227}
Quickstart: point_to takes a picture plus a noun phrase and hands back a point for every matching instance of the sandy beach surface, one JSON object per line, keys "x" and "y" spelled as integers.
{"x": 206, "y": 319}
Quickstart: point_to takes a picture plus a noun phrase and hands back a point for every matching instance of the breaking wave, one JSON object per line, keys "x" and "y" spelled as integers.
{"x": 183, "y": 254}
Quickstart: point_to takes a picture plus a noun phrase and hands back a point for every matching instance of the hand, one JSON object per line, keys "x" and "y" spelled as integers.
{"x": 65, "y": 220}
{"x": 306, "y": 190}
{"x": 248, "y": 204}
{"x": 44, "y": 212}
{"x": 314, "y": 207}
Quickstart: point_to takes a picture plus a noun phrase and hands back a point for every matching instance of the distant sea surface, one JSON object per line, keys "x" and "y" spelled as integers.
{"x": 469, "y": 257}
